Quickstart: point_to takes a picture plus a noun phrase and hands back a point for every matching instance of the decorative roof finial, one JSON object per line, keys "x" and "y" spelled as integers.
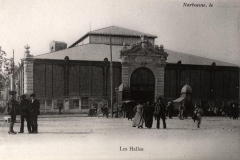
{"x": 27, "y": 51}
{"x": 161, "y": 48}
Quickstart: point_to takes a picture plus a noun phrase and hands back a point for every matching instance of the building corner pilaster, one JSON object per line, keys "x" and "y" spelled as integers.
{"x": 28, "y": 75}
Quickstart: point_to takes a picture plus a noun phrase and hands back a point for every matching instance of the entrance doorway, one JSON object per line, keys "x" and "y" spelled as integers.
{"x": 142, "y": 85}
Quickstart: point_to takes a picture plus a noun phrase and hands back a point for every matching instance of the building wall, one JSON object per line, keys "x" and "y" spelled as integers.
{"x": 84, "y": 41}
{"x": 74, "y": 84}
{"x": 116, "y": 40}
{"x": 216, "y": 84}
{"x": 19, "y": 79}
{"x": 56, "y": 46}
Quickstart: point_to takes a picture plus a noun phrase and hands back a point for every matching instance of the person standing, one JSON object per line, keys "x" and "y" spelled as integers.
{"x": 198, "y": 112}
{"x": 155, "y": 116}
{"x": 215, "y": 111}
{"x": 99, "y": 109}
{"x": 231, "y": 110}
{"x": 130, "y": 111}
{"x": 148, "y": 114}
{"x": 119, "y": 110}
{"x": 138, "y": 119}
{"x": 13, "y": 110}
{"x": 34, "y": 112}
{"x": 60, "y": 109}
{"x": 170, "y": 109}
{"x": 237, "y": 110}
{"x": 25, "y": 114}
{"x": 181, "y": 110}
{"x": 160, "y": 111}
{"x": 124, "y": 109}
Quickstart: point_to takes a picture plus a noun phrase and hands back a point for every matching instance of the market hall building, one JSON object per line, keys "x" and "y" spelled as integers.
{"x": 78, "y": 77}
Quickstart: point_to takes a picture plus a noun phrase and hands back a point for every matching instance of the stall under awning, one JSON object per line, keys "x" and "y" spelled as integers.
{"x": 180, "y": 99}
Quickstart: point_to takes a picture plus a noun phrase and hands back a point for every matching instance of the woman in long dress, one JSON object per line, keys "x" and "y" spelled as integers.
{"x": 138, "y": 119}
{"x": 148, "y": 115}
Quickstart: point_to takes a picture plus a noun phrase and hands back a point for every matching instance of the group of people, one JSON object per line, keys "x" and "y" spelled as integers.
{"x": 28, "y": 109}
{"x": 197, "y": 112}
{"x": 144, "y": 114}
{"x": 233, "y": 111}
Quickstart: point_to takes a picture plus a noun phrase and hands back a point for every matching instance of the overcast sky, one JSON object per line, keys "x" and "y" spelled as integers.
{"x": 212, "y": 32}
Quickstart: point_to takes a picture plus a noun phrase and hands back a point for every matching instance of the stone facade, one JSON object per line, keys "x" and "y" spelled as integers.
{"x": 144, "y": 55}
{"x": 28, "y": 75}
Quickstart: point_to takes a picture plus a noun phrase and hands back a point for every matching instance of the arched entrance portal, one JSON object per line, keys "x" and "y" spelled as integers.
{"x": 142, "y": 85}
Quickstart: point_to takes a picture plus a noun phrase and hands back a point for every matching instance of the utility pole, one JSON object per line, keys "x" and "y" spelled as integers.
{"x": 13, "y": 73}
{"x": 111, "y": 76}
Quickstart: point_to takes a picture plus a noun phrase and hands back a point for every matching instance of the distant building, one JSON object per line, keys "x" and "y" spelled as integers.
{"x": 57, "y": 46}
{"x": 78, "y": 77}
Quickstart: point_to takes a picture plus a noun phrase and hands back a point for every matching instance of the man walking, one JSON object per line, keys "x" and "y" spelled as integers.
{"x": 25, "y": 114}
{"x": 34, "y": 112}
{"x": 198, "y": 113}
{"x": 160, "y": 111}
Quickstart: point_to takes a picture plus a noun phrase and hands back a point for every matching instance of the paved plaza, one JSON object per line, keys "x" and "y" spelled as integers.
{"x": 64, "y": 137}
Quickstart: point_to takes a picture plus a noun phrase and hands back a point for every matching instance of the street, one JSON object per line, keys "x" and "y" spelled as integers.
{"x": 64, "y": 137}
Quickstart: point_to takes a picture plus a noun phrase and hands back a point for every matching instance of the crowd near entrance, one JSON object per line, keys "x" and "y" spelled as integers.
{"x": 142, "y": 85}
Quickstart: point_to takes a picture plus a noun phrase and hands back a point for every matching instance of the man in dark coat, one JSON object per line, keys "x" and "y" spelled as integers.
{"x": 25, "y": 114}
{"x": 235, "y": 110}
{"x": 231, "y": 110}
{"x": 13, "y": 110}
{"x": 170, "y": 109}
{"x": 160, "y": 111}
{"x": 148, "y": 115}
{"x": 130, "y": 111}
{"x": 34, "y": 112}
{"x": 124, "y": 109}
{"x": 60, "y": 109}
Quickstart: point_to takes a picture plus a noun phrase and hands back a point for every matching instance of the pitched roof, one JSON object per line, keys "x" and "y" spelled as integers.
{"x": 87, "y": 52}
{"x": 97, "y": 52}
{"x": 114, "y": 30}
{"x": 174, "y": 57}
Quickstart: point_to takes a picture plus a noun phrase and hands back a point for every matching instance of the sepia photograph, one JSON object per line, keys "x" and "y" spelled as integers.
{"x": 119, "y": 79}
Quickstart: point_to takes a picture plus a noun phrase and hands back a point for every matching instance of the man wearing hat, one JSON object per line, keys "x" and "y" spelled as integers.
{"x": 24, "y": 106}
{"x": 12, "y": 110}
{"x": 34, "y": 112}
{"x": 160, "y": 111}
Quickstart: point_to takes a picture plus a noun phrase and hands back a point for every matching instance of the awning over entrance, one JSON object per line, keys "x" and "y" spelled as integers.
{"x": 180, "y": 99}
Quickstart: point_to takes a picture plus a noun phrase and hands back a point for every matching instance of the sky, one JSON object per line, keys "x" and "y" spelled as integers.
{"x": 212, "y": 32}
